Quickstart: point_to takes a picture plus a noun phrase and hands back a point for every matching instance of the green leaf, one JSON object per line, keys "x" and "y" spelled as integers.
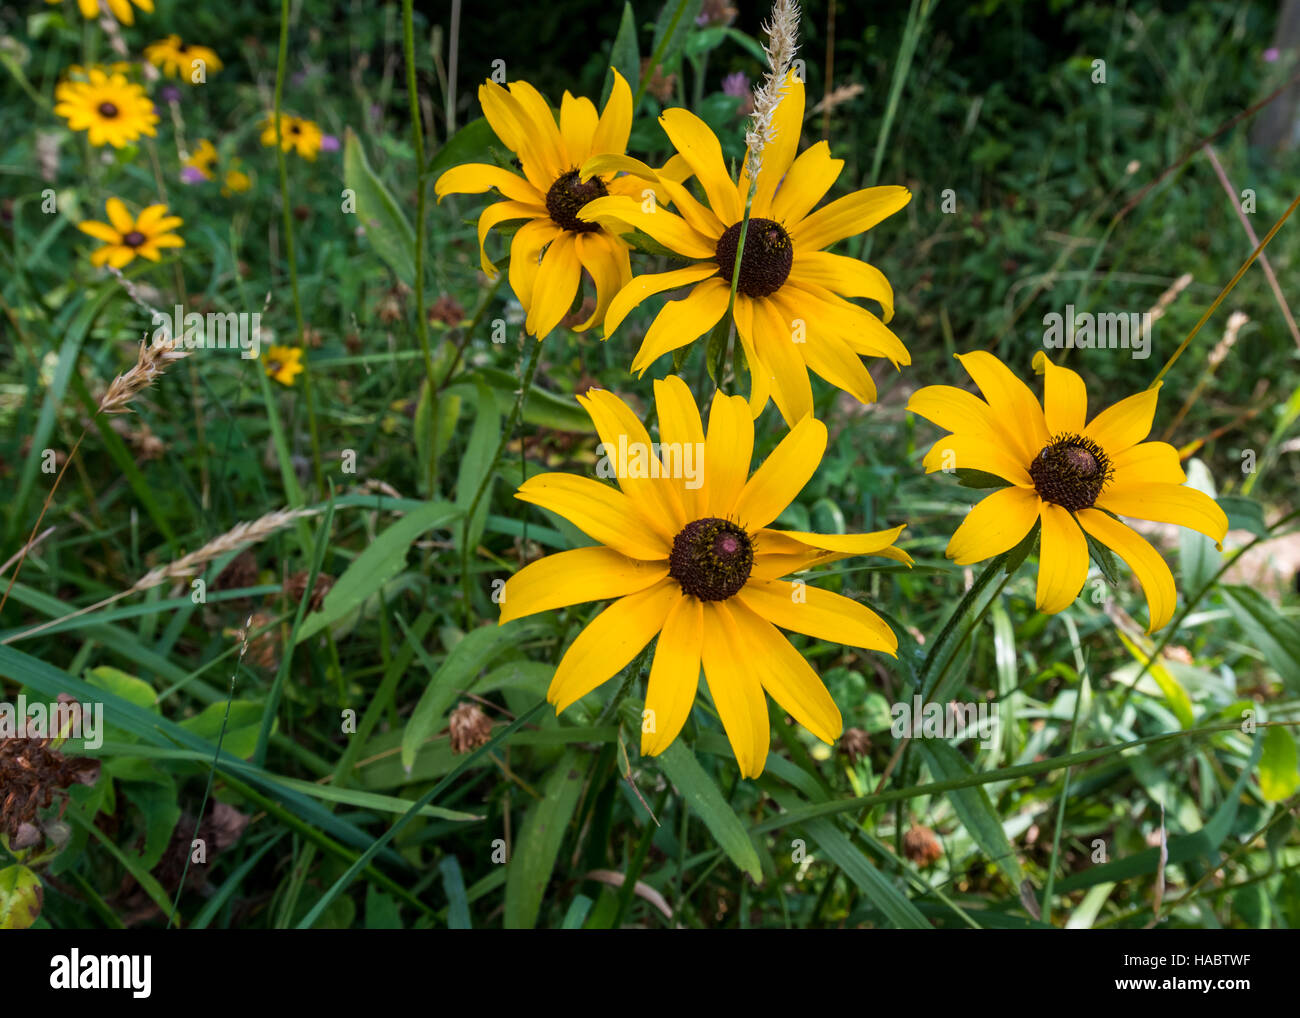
{"x": 466, "y": 659}
{"x": 21, "y": 898}
{"x": 1244, "y": 514}
{"x": 970, "y": 478}
{"x": 241, "y": 735}
{"x": 703, "y": 797}
{"x": 473, "y": 143}
{"x": 386, "y": 226}
{"x": 447, "y": 407}
{"x": 453, "y": 882}
{"x": 382, "y": 912}
{"x": 128, "y": 687}
{"x": 974, "y": 809}
{"x": 675, "y": 23}
{"x": 477, "y": 462}
{"x": 1279, "y": 773}
{"x": 538, "y": 847}
{"x": 543, "y": 409}
{"x": 624, "y": 56}
{"x": 375, "y": 566}
{"x": 157, "y": 804}
{"x": 878, "y": 888}
{"x": 1277, "y": 638}
{"x": 1174, "y": 693}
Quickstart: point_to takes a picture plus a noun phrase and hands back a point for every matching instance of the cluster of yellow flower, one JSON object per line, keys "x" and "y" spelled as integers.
{"x": 695, "y": 560}
{"x": 115, "y": 110}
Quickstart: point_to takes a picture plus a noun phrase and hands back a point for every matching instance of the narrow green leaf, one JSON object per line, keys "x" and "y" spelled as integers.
{"x": 387, "y": 228}
{"x": 375, "y": 566}
{"x": 1277, "y": 638}
{"x": 533, "y": 859}
{"x": 703, "y": 797}
{"x": 1279, "y": 776}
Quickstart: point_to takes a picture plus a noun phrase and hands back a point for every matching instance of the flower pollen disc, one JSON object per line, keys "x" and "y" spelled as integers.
{"x": 764, "y": 264}
{"x": 1070, "y": 472}
{"x": 569, "y": 194}
{"x": 711, "y": 559}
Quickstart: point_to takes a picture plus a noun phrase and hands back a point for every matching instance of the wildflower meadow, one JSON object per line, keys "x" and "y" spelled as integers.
{"x": 672, "y": 464}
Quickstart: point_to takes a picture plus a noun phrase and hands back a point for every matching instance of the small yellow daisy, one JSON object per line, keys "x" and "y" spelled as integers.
{"x": 177, "y": 59}
{"x": 125, "y": 237}
{"x": 113, "y": 110}
{"x": 283, "y": 363}
{"x": 296, "y": 135}
{"x": 203, "y": 158}
{"x": 121, "y": 8}
{"x": 236, "y": 182}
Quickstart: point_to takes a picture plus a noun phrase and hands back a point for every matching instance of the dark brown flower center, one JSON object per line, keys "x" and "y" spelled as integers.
{"x": 765, "y": 262}
{"x": 711, "y": 558}
{"x": 1070, "y": 471}
{"x": 108, "y": 110}
{"x": 567, "y": 195}
{"x": 295, "y": 129}
{"x": 133, "y": 239}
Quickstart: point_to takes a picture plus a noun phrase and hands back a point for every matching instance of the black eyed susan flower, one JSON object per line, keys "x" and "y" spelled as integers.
{"x": 178, "y": 59}
{"x": 1071, "y": 475}
{"x": 692, "y": 558}
{"x": 283, "y": 363}
{"x": 126, "y": 237}
{"x": 111, "y": 109}
{"x": 791, "y": 313}
{"x": 203, "y": 159}
{"x": 121, "y": 9}
{"x": 296, "y": 135}
{"x": 549, "y": 252}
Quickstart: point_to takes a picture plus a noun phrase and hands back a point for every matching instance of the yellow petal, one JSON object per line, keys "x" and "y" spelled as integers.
{"x": 810, "y": 177}
{"x": 475, "y": 178}
{"x": 818, "y": 613}
{"x": 119, "y": 216}
{"x": 699, "y": 217}
{"x": 680, "y": 429}
{"x": 1062, "y": 560}
{"x": 620, "y": 214}
{"x": 786, "y": 676}
{"x": 510, "y": 124}
{"x": 574, "y": 577}
{"x": 847, "y": 277}
{"x": 760, "y": 385}
{"x": 525, "y": 255}
{"x": 1146, "y": 463}
{"x": 555, "y": 287}
{"x": 996, "y": 524}
{"x": 735, "y": 689}
{"x": 577, "y": 127}
{"x": 625, "y": 441}
{"x": 779, "y": 152}
{"x": 700, "y": 148}
{"x": 864, "y": 333}
{"x": 1018, "y": 415}
{"x": 1065, "y": 397}
{"x": 540, "y": 124}
{"x": 774, "y": 342}
{"x": 501, "y": 212}
{"x": 674, "y": 676}
{"x": 727, "y": 452}
{"x": 603, "y": 513}
{"x": 976, "y": 452}
{"x": 645, "y": 286}
{"x": 876, "y": 542}
{"x": 782, "y": 475}
{"x": 150, "y": 218}
{"x": 606, "y": 260}
{"x": 100, "y": 231}
{"x": 848, "y": 216}
{"x": 1147, "y": 565}
{"x": 615, "y": 120}
{"x": 1126, "y": 423}
{"x": 610, "y": 641}
{"x": 683, "y": 321}
{"x": 1168, "y": 503}
{"x": 953, "y": 409}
